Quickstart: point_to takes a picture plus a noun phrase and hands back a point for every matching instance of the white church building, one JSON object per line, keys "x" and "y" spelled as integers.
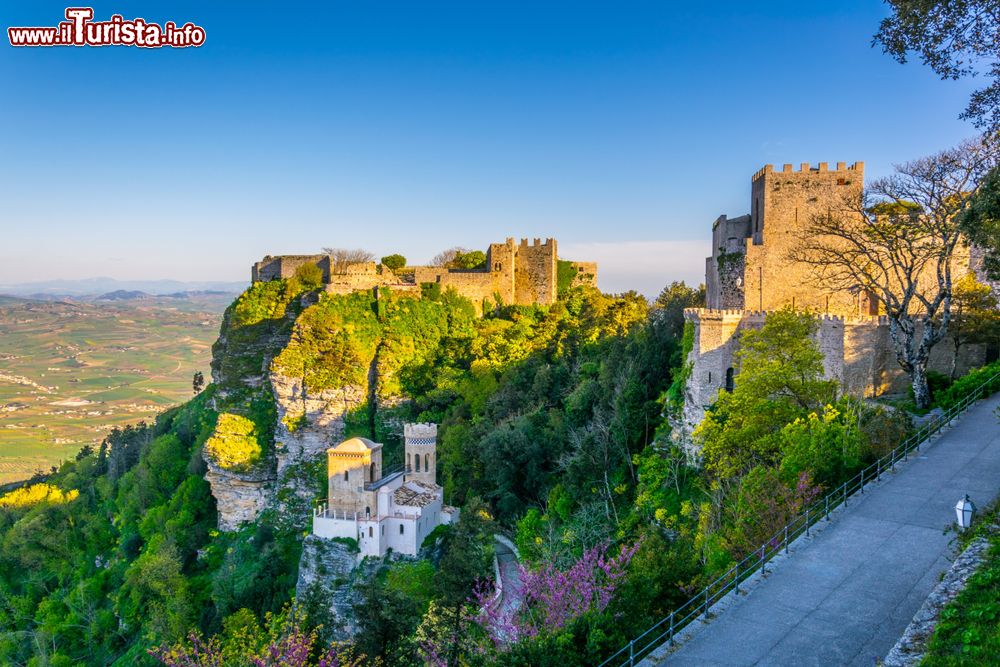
{"x": 383, "y": 509}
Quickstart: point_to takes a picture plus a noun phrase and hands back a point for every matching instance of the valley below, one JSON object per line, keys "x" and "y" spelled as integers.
{"x": 72, "y": 370}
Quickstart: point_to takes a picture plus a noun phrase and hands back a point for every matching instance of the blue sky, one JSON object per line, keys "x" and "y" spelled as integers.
{"x": 621, "y": 128}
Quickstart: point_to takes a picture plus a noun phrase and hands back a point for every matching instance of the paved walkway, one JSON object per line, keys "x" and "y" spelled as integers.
{"x": 511, "y": 579}
{"x": 845, "y": 595}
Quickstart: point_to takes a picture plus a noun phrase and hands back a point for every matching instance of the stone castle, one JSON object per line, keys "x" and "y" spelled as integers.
{"x": 749, "y": 274}
{"x": 514, "y": 273}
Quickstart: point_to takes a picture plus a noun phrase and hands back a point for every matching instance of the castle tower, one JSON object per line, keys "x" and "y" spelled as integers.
{"x": 751, "y": 266}
{"x": 420, "y": 443}
{"x": 351, "y": 466}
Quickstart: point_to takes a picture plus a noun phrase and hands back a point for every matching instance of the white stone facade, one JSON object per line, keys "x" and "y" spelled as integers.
{"x": 394, "y": 511}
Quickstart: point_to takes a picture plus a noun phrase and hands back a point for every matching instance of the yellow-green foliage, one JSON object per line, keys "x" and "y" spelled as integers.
{"x": 253, "y": 323}
{"x": 309, "y": 276}
{"x": 234, "y": 444}
{"x": 37, "y": 493}
{"x": 333, "y": 342}
{"x": 262, "y": 301}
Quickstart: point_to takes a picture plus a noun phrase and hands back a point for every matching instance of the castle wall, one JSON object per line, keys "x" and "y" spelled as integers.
{"x": 857, "y": 352}
{"x": 517, "y": 273}
{"x": 585, "y": 274}
{"x": 285, "y": 266}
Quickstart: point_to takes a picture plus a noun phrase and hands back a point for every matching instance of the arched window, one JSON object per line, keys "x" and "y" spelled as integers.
{"x": 409, "y": 462}
{"x": 381, "y": 529}
{"x": 370, "y": 533}
{"x": 729, "y": 379}
{"x": 371, "y": 473}
{"x": 368, "y": 512}
{"x": 400, "y": 529}
{"x": 416, "y": 463}
{"x": 427, "y": 462}
{"x": 345, "y": 476}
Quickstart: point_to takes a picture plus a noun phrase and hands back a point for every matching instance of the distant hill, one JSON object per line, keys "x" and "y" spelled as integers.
{"x": 123, "y": 295}
{"x": 93, "y": 287}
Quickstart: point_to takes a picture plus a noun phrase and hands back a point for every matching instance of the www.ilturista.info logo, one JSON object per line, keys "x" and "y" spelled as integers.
{"x": 80, "y": 30}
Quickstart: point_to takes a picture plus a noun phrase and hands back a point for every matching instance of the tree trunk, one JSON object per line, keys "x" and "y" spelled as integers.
{"x": 921, "y": 392}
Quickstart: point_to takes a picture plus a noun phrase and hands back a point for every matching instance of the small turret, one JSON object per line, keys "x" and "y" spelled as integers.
{"x": 420, "y": 443}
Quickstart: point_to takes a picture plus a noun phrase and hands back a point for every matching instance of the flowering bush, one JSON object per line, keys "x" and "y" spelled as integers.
{"x": 549, "y": 599}
{"x": 37, "y": 493}
{"x": 283, "y": 643}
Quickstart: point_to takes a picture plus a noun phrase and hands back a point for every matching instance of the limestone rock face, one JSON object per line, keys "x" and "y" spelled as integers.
{"x": 240, "y": 497}
{"x": 318, "y": 419}
{"x": 327, "y": 571}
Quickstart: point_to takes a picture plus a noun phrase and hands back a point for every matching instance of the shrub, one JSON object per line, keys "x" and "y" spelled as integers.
{"x": 234, "y": 444}
{"x": 309, "y": 276}
{"x": 430, "y": 291}
{"x": 565, "y": 273}
{"x": 968, "y": 383}
{"x": 394, "y": 262}
{"x": 37, "y": 493}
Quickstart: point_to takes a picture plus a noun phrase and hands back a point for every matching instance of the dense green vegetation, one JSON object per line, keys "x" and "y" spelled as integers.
{"x": 553, "y": 427}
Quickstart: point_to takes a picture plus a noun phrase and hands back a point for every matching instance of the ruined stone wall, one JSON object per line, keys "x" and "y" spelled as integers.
{"x": 585, "y": 274}
{"x": 724, "y": 270}
{"x": 285, "y": 266}
{"x": 517, "y": 273}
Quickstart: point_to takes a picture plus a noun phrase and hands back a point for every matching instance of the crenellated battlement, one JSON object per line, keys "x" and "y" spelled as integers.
{"x": 713, "y": 314}
{"x": 420, "y": 430}
{"x": 806, "y": 168}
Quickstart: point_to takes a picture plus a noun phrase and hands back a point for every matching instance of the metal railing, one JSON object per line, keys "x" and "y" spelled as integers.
{"x": 699, "y": 606}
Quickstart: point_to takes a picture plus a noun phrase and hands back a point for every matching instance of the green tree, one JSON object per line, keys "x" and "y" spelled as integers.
{"x": 467, "y": 556}
{"x": 974, "y": 317}
{"x": 981, "y": 222}
{"x": 897, "y": 241}
{"x": 474, "y": 259}
{"x": 309, "y": 276}
{"x": 394, "y": 262}
{"x": 958, "y": 38}
{"x": 780, "y": 379}
{"x": 198, "y": 382}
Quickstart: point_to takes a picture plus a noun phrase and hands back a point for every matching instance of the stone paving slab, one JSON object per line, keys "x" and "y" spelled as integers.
{"x": 844, "y": 595}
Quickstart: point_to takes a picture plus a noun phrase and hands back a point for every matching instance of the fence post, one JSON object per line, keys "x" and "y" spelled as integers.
{"x": 671, "y": 628}
{"x": 786, "y": 539}
{"x": 737, "y": 578}
{"x": 807, "y": 522}
{"x": 827, "y": 508}
{"x": 763, "y": 570}
{"x": 845, "y": 494}
{"x": 862, "y": 481}
{"x": 631, "y": 653}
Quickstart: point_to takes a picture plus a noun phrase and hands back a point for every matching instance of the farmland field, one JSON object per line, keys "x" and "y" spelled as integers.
{"x": 70, "y": 371}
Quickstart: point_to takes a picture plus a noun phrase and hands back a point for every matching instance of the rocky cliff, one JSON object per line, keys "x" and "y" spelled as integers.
{"x": 301, "y": 371}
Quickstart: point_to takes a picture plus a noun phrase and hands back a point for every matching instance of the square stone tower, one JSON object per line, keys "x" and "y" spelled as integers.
{"x": 353, "y": 467}
{"x": 750, "y": 268}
